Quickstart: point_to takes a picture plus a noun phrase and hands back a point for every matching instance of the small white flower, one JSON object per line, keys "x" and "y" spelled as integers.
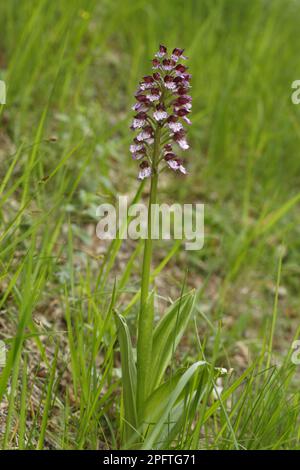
{"x": 161, "y": 52}
{"x": 217, "y": 390}
{"x": 160, "y": 114}
{"x": 144, "y": 173}
{"x": 183, "y": 144}
{"x": 173, "y": 164}
{"x": 170, "y": 85}
{"x": 145, "y": 86}
{"x": 167, "y": 67}
{"x": 140, "y": 107}
{"x": 187, "y": 106}
{"x": 137, "y": 123}
{"x": 175, "y": 126}
{"x": 153, "y": 97}
{"x": 185, "y": 83}
{"x": 178, "y": 54}
{"x": 177, "y": 166}
{"x": 144, "y": 135}
{"x": 176, "y": 57}
{"x": 222, "y": 370}
{"x": 136, "y": 148}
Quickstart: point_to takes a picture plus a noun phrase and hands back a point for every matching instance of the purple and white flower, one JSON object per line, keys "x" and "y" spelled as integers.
{"x": 174, "y": 124}
{"x": 180, "y": 139}
{"x": 180, "y": 70}
{"x": 145, "y": 134}
{"x": 156, "y": 76}
{"x": 161, "y": 52}
{"x": 139, "y": 120}
{"x": 139, "y": 107}
{"x": 136, "y": 147}
{"x": 145, "y": 170}
{"x": 168, "y": 64}
{"x": 154, "y": 94}
{"x": 160, "y": 114}
{"x": 182, "y": 112}
{"x": 175, "y": 163}
{"x": 178, "y": 54}
{"x": 155, "y": 63}
{"x": 169, "y": 82}
{"x": 162, "y": 107}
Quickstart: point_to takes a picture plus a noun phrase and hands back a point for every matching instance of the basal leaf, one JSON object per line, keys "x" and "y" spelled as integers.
{"x": 128, "y": 377}
{"x": 167, "y": 335}
{"x": 154, "y": 434}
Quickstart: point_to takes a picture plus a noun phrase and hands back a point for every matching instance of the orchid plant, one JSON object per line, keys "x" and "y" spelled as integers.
{"x": 162, "y": 107}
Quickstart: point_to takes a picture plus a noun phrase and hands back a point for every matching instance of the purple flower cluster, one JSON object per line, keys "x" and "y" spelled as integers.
{"x": 162, "y": 102}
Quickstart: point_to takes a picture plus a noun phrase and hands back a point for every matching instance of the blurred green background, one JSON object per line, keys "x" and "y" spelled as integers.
{"x": 71, "y": 69}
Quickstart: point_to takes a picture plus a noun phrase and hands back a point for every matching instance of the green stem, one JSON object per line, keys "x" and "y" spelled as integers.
{"x": 146, "y": 314}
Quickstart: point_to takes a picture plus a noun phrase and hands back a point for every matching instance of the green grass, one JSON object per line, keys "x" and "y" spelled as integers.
{"x": 71, "y": 69}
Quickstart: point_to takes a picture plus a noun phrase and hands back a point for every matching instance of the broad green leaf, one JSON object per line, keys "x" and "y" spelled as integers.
{"x": 183, "y": 411}
{"x": 167, "y": 335}
{"x": 128, "y": 377}
{"x": 144, "y": 354}
{"x": 154, "y": 434}
{"x": 158, "y": 399}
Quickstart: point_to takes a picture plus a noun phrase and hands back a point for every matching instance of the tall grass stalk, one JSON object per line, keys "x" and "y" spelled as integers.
{"x": 146, "y": 315}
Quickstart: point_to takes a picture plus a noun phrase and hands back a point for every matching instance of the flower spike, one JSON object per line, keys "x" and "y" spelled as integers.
{"x": 161, "y": 110}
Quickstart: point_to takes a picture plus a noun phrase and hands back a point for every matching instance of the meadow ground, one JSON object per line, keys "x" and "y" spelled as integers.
{"x": 71, "y": 69}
